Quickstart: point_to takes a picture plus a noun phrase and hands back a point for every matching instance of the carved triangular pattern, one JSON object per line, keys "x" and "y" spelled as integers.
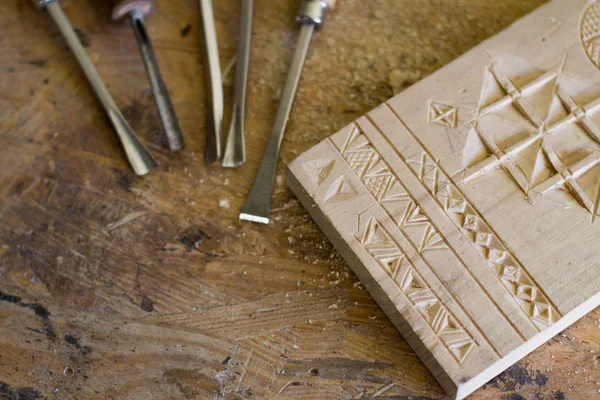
{"x": 340, "y": 190}
{"x": 432, "y": 240}
{"x": 413, "y": 215}
{"x": 395, "y": 193}
{"x": 318, "y": 170}
{"x": 378, "y": 243}
{"x": 551, "y": 103}
{"x": 378, "y": 179}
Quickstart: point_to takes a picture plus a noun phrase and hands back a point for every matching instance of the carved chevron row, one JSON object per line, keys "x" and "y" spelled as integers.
{"x": 385, "y": 186}
{"x": 517, "y": 281}
{"x": 388, "y": 254}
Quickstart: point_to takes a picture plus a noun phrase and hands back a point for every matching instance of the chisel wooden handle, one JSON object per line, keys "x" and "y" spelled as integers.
{"x": 126, "y": 7}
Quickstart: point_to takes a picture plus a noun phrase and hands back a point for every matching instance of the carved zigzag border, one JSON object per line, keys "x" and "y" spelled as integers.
{"x": 391, "y": 257}
{"x": 473, "y": 227}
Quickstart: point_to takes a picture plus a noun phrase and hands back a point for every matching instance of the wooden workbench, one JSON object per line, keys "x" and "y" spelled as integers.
{"x": 113, "y": 286}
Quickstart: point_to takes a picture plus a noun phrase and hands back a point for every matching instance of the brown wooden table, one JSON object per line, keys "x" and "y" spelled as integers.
{"x": 118, "y": 287}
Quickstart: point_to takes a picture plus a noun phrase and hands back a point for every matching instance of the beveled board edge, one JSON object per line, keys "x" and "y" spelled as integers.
{"x": 369, "y": 282}
{"x": 455, "y": 390}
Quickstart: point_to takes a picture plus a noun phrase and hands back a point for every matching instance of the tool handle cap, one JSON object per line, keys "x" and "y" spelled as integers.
{"x": 126, "y": 7}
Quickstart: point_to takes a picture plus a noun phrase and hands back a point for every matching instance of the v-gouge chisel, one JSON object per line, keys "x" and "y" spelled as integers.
{"x": 258, "y": 204}
{"x": 214, "y": 108}
{"x": 138, "y": 155}
{"x": 136, "y": 11}
{"x": 235, "y": 148}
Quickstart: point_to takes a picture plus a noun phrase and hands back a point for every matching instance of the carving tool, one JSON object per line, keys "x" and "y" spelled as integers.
{"x": 235, "y": 149}
{"x": 214, "y": 121}
{"x": 138, "y": 155}
{"x": 258, "y": 205}
{"x": 137, "y": 10}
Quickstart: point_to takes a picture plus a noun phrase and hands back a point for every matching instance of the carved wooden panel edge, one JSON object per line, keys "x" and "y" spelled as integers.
{"x": 378, "y": 243}
{"x": 385, "y": 187}
{"x": 479, "y": 234}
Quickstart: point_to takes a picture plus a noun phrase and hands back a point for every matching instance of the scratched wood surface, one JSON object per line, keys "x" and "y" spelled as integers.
{"x": 112, "y": 286}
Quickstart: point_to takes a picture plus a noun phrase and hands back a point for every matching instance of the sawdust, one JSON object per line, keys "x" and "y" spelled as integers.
{"x": 224, "y": 203}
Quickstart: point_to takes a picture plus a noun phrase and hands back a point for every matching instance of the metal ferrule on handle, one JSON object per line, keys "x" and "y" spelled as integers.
{"x": 42, "y": 3}
{"x": 313, "y": 12}
{"x": 138, "y": 155}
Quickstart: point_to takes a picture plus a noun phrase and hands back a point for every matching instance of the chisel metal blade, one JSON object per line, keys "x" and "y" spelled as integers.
{"x": 258, "y": 204}
{"x": 214, "y": 122}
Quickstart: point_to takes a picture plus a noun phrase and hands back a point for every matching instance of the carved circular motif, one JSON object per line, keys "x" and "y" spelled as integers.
{"x": 590, "y": 31}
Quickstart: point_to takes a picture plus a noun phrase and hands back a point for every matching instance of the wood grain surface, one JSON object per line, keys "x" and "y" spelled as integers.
{"x": 118, "y": 287}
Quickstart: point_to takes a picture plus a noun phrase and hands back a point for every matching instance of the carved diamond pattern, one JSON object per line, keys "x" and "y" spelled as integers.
{"x": 432, "y": 240}
{"x": 470, "y": 222}
{"x": 483, "y": 239}
{"x": 443, "y": 115}
{"x": 456, "y": 205}
{"x": 496, "y": 255}
{"x": 382, "y": 248}
{"x": 526, "y": 292}
{"x": 374, "y": 173}
{"x": 458, "y": 342}
{"x": 516, "y": 280}
{"x": 379, "y": 185}
{"x": 359, "y": 160}
{"x": 413, "y": 216}
{"x": 510, "y": 273}
{"x": 538, "y": 131}
{"x": 542, "y": 313}
{"x": 428, "y": 172}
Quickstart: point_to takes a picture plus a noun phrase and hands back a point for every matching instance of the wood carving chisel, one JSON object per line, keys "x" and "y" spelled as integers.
{"x": 235, "y": 148}
{"x": 258, "y": 205}
{"x": 136, "y": 11}
{"x": 138, "y": 155}
{"x": 214, "y": 122}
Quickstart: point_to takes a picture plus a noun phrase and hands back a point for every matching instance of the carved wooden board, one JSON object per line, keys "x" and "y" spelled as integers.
{"x": 468, "y": 204}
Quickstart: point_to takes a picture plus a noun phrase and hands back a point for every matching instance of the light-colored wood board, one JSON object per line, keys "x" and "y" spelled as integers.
{"x": 151, "y": 288}
{"x": 468, "y": 204}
